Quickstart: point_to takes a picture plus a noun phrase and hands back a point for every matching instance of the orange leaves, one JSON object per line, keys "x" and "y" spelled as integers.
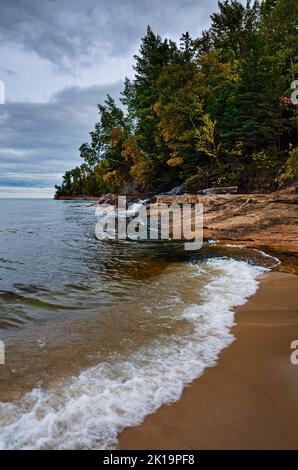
{"x": 109, "y": 176}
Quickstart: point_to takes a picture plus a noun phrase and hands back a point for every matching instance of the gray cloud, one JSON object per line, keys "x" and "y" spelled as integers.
{"x": 84, "y": 30}
{"x": 47, "y": 45}
{"x": 8, "y": 71}
{"x": 39, "y": 141}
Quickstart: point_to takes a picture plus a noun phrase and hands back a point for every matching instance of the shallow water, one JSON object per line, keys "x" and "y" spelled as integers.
{"x": 99, "y": 334}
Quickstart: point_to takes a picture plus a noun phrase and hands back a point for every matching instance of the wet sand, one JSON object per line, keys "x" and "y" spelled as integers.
{"x": 249, "y": 400}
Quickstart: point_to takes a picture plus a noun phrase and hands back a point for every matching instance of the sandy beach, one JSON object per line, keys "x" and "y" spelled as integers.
{"x": 249, "y": 399}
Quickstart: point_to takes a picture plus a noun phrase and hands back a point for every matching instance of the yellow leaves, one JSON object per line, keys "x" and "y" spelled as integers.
{"x": 141, "y": 165}
{"x": 116, "y": 136}
{"x": 205, "y": 138}
{"x": 110, "y": 175}
{"x": 131, "y": 150}
{"x": 113, "y": 180}
{"x": 167, "y": 135}
{"x": 290, "y": 170}
{"x": 175, "y": 160}
{"x": 198, "y": 106}
{"x": 141, "y": 171}
{"x": 229, "y": 71}
{"x": 218, "y": 73}
{"x": 157, "y": 107}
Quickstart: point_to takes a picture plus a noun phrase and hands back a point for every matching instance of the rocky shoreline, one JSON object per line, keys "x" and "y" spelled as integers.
{"x": 264, "y": 221}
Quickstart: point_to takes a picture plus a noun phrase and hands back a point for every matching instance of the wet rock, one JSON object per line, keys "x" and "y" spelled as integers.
{"x": 220, "y": 190}
{"x": 264, "y": 221}
{"x": 177, "y": 191}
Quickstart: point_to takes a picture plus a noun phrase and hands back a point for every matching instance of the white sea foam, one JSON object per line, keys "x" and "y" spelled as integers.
{"x": 90, "y": 410}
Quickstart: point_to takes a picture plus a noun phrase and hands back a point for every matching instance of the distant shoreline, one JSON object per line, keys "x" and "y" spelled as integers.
{"x": 76, "y": 198}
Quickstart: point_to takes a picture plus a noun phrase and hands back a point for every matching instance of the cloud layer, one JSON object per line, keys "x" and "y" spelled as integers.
{"x": 39, "y": 141}
{"x": 59, "y": 59}
{"x": 64, "y": 31}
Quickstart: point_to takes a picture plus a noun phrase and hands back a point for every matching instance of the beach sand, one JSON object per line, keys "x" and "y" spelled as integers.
{"x": 249, "y": 400}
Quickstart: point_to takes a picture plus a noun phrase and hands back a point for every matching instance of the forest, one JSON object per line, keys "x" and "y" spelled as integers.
{"x": 210, "y": 111}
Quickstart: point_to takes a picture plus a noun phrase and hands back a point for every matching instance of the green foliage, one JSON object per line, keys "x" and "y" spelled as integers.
{"x": 193, "y": 183}
{"x": 289, "y": 173}
{"x": 206, "y": 139}
{"x": 215, "y": 110}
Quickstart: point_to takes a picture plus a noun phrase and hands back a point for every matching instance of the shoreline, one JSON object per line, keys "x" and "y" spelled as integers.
{"x": 249, "y": 399}
{"x": 250, "y": 220}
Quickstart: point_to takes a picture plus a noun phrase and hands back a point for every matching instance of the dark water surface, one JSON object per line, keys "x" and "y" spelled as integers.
{"x": 51, "y": 265}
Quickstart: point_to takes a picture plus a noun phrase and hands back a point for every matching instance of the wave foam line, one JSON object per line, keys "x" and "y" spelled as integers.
{"x": 89, "y": 411}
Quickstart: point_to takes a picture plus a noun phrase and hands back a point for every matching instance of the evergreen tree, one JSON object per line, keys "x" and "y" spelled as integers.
{"x": 217, "y": 110}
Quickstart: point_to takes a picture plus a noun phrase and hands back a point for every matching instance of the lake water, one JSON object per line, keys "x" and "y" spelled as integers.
{"x": 98, "y": 334}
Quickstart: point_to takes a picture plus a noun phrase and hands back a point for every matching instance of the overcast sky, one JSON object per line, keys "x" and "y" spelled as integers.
{"x": 58, "y": 60}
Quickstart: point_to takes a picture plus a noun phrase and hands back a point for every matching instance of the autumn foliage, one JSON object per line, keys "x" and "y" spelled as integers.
{"x": 213, "y": 110}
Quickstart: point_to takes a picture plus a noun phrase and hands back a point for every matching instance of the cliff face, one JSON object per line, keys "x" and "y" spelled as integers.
{"x": 264, "y": 221}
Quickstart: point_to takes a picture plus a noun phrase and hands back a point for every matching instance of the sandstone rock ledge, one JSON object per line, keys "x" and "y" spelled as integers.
{"x": 264, "y": 221}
